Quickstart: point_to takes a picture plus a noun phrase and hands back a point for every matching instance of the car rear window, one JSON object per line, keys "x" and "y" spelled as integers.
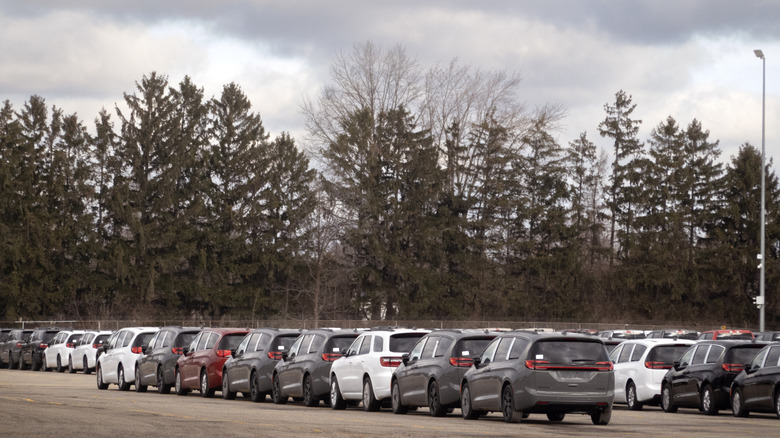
{"x": 284, "y": 342}
{"x": 142, "y": 339}
{"x": 48, "y": 336}
{"x": 339, "y": 344}
{"x": 404, "y": 342}
{"x": 735, "y": 336}
{"x": 569, "y": 352}
{"x": 100, "y": 339}
{"x": 666, "y": 353}
{"x": 742, "y": 354}
{"x": 231, "y": 341}
{"x": 184, "y": 339}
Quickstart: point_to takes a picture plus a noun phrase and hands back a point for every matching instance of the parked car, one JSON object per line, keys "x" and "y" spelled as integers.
{"x": 304, "y": 371}
{"x": 622, "y": 334}
{"x": 201, "y": 365}
{"x": 703, "y": 375}
{"x": 123, "y": 349}
{"x": 156, "y": 367}
{"x": 522, "y": 373}
{"x": 32, "y": 350}
{"x": 640, "y": 366}
{"x": 250, "y": 370}
{"x": 767, "y": 336}
{"x": 84, "y": 356}
{"x": 12, "y": 347}
{"x": 431, "y": 373}
{"x": 673, "y": 334}
{"x": 757, "y": 387}
{"x": 711, "y": 335}
{"x": 365, "y": 370}
{"x": 56, "y": 355}
{"x": 4, "y": 334}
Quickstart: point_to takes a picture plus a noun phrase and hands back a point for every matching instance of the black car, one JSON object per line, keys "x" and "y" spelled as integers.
{"x": 431, "y": 373}
{"x": 304, "y": 371}
{"x": 250, "y": 369}
{"x": 11, "y": 349}
{"x": 767, "y": 336}
{"x": 32, "y": 351}
{"x": 703, "y": 375}
{"x": 156, "y": 366}
{"x": 757, "y": 388}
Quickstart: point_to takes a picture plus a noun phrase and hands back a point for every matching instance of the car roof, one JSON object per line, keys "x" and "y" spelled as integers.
{"x": 659, "y": 341}
{"x": 730, "y": 342}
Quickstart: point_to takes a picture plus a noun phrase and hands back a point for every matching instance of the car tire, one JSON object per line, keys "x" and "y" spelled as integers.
{"x": 162, "y": 387}
{"x": 60, "y": 368}
{"x": 708, "y": 402}
{"x": 86, "y": 369}
{"x": 178, "y": 384}
{"x": 667, "y": 405}
{"x": 738, "y": 404}
{"x": 309, "y": 399}
{"x": 276, "y": 391}
{"x": 508, "y": 406}
{"x": 466, "y": 408}
{"x": 226, "y": 393}
{"x": 434, "y": 400}
{"x": 254, "y": 388}
{"x": 70, "y": 365}
{"x": 121, "y": 379}
{"x": 11, "y": 363}
{"x": 631, "y": 397}
{"x": 601, "y": 418}
{"x": 205, "y": 391}
{"x": 370, "y": 403}
{"x": 556, "y": 417}
{"x": 138, "y": 386}
{"x": 777, "y": 403}
{"x": 100, "y": 383}
{"x": 44, "y": 365}
{"x": 336, "y": 400}
{"x": 395, "y": 399}
{"x": 20, "y": 364}
{"x": 35, "y": 365}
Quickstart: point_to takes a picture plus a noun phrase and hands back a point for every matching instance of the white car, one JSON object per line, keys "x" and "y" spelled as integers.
{"x": 117, "y": 364}
{"x": 84, "y": 356}
{"x": 365, "y": 371}
{"x": 640, "y": 366}
{"x": 57, "y": 353}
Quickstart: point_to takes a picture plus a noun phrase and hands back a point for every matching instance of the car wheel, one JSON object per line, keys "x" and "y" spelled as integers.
{"x": 20, "y": 364}
{"x": 631, "y": 398}
{"x": 35, "y": 365}
{"x": 395, "y": 399}
{"x": 336, "y": 400}
{"x": 434, "y": 401}
{"x": 70, "y": 365}
{"x": 308, "y": 392}
{"x": 162, "y": 387}
{"x": 138, "y": 386}
{"x": 121, "y": 379}
{"x": 60, "y": 368}
{"x": 205, "y": 391}
{"x": 777, "y": 403}
{"x": 11, "y": 363}
{"x": 370, "y": 403}
{"x": 601, "y": 418}
{"x": 707, "y": 402}
{"x": 508, "y": 406}
{"x": 666, "y": 400}
{"x": 44, "y": 366}
{"x": 178, "y": 384}
{"x": 466, "y": 408}
{"x": 254, "y": 388}
{"x": 556, "y": 417}
{"x": 226, "y": 394}
{"x": 276, "y": 391}
{"x": 737, "y": 404}
{"x": 100, "y": 383}
{"x": 86, "y": 369}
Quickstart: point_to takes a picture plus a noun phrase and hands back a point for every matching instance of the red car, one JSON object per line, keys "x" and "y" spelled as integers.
{"x": 200, "y": 367}
{"x": 711, "y": 335}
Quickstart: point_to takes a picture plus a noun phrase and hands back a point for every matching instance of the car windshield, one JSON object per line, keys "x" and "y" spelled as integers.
{"x": 742, "y": 355}
{"x": 569, "y": 352}
{"x": 231, "y": 341}
{"x": 403, "y": 343}
{"x": 667, "y": 353}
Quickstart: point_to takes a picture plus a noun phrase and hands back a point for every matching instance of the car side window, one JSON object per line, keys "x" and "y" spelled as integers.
{"x": 416, "y": 352}
{"x": 773, "y": 358}
{"x": 639, "y": 350}
{"x": 758, "y": 361}
{"x": 365, "y": 348}
{"x": 443, "y": 347}
{"x": 302, "y": 340}
{"x": 430, "y": 347}
{"x": 355, "y": 347}
{"x": 518, "y": 348}
{"x": 685, "y": 360}
{"x": 625, "y": 354}
{"x": 153, "y": 341}
{"x": 127, "y": 339}
{"x": 242, "y": 347}
{"x": 502, "y": 352}
{"x": 615, "y": 354}
{"x": 701, "y": 353}
{"x": 194, "y": 344}
{"x": 316, "y": 343}
{"x": 168, "y": 339}
{"x": 378, "y": 344}
{"x": 716, "y": 351}
{"x": 490, "y": 350}
{"x": 258, "y": 342}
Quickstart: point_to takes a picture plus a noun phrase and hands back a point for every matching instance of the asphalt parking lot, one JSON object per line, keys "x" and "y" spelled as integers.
{"x": 51, "y": 404}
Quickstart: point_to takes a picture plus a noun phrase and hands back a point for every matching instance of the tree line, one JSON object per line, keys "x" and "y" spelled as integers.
{"x": 419, "y": 193}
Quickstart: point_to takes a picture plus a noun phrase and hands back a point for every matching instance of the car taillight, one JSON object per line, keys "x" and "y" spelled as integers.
{"x": 223, "y": 353}
{"x": 545, "y": 365}
{"x": 70, "y": 345}
{"x": 330, "y": 357}
{"x": 390, "y": 361}
{"x": 275, "y": 355}
{"x": 733, "y": 367}
{"x": 19, "y": 344}
{"x": 43, "y": 346}
{"x": 537, "y": 364}
{"x": 96, "y": 346}
{"x": 657, "y": 365}
{"x": 177, "y": 350}
{"x": 461, "y": 361}
{"x": 137, "y": 350}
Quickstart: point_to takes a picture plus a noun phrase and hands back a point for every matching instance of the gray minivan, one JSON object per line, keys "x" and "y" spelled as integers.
{"x": 524, "y": 372}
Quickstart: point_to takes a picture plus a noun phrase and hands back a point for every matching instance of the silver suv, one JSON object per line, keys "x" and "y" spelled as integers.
{"x": 522, "y": 373}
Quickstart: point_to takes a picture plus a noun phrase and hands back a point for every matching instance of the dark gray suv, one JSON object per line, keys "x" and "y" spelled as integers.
{"x": 304, "y": 371}
{"x": 431, "y": 373}
{"x": 522, "y": 373}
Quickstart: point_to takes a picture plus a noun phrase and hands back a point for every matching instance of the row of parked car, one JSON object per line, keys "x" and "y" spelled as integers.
{"x": 517, "y": 373}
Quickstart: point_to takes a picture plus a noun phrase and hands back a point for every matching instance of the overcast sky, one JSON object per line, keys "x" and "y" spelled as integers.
{"x": 687, "y": 59}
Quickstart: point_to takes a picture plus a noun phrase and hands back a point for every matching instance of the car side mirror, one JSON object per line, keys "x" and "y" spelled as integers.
{"x": 346, "y": 354}
{"x": 477, "y": 361}
{"x": 749, "y": 368}
{"x": 144, "y": 349}
{"x": 185, "y": 350}
{"x": 234, "y": 353}
{"x": 405, "y": 359}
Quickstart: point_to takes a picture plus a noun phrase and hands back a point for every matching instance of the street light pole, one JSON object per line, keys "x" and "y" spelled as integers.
{"x": 762, "y": 301}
